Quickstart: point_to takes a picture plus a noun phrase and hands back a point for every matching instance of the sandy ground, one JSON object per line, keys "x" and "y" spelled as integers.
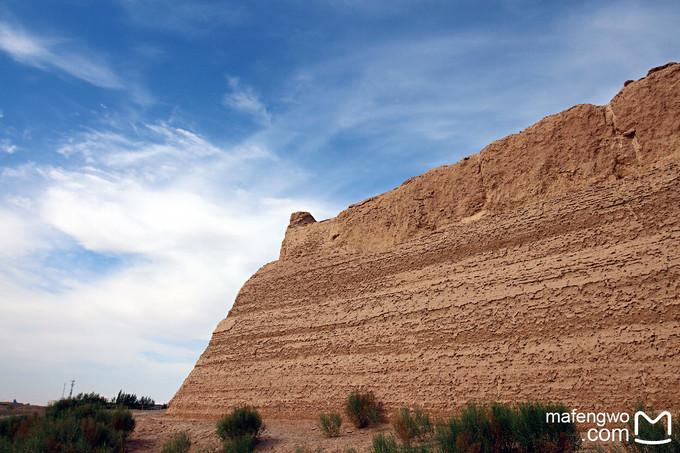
{"x": 153, "y": 429}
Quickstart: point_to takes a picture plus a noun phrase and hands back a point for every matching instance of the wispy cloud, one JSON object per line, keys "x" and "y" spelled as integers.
{"x": 56, "y": 54}
{"x": 191, "y": 18}
{"x": 435, "y": 98}
{"x": 148, "y": 143}
{"x": 7, "y": 146}
{"x": 244, "y": 99}
{"x": 417, "y": 102}
{"x": 145, "y": 225}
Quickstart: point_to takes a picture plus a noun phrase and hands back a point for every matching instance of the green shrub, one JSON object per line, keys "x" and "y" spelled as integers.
{"x": 330, "y": 424}
{"x": 61, "y": 407}
{"x": 649, "y": 431}
{"x": 243, "y": 420}
{"x": 123, "y": 421}
{"x": 409, "y": 427}
{"x": 534, "y": 434}
{"x": 180, "y": 443}
{"x": 10, "y": 425}
{"x": 471, "y": 430}
{"x": 384, "y": 443}
{"x": 94, "y": 399}
{"x": 240, "y": 444}
{"x": 363, "y": 409}
{"x": 500, "y": 428}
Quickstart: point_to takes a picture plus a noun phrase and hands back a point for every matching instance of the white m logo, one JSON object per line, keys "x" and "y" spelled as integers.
{"x": 652, "y": 442}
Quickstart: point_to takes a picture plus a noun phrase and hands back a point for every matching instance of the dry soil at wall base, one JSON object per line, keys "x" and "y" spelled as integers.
{"x": 154, "y": 429}
{"x": 547, "y": 267}
{"x": 284, "y": 436}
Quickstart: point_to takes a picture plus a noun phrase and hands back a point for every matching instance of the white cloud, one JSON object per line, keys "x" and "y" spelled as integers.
{"x": 243, "y": 99}
{"x": 50, "y": 54}
{"x": 1, "y": 115}
{"x": 130, "y": 259}
{"x": 17, "y": 235}
{"x": 7, "y": 146}
{"x": 150, "y": 143}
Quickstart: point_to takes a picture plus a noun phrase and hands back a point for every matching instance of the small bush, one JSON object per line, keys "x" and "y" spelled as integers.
{"x": 241, "y": 444}
{"x": 409, "y": 427}
{"x": 180, "y": 443}
{"x": 243, "y": 420}
{"x": 384, "y": 443}
{"x": 123, "y": 421}
{"x": 330, "y": 424}
{"x": 363, "y": 409}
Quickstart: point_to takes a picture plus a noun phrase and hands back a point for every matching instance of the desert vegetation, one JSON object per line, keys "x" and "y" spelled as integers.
{"x": 481, "y": 428}
{"x": 478, "y": 428}
{"x": 82, "y": 424}
{"x": 363, "y": 409}
{"x": 410, "y": 427}
{"x": 87, "y": 423}
{"x": 330, "y": 424}
{"x": 499, "y": 427}
{"x": 180, "y": 443}
{"x": 240, "y": 429}
{"x": 650, "y": 431}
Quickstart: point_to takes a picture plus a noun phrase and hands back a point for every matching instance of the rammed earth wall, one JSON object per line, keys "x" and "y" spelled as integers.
{"x": 546, "y": 267}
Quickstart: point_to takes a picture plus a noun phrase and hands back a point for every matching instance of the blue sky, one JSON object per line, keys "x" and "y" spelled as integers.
{"x": 152, "y": 151}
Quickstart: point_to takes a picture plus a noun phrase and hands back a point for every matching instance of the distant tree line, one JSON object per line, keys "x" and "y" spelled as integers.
{"x": 130, "y": 401}
{"x": 125, "y": 400}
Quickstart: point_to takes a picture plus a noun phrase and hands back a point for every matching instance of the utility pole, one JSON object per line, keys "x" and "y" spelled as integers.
{"x": 71, "y": 392}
